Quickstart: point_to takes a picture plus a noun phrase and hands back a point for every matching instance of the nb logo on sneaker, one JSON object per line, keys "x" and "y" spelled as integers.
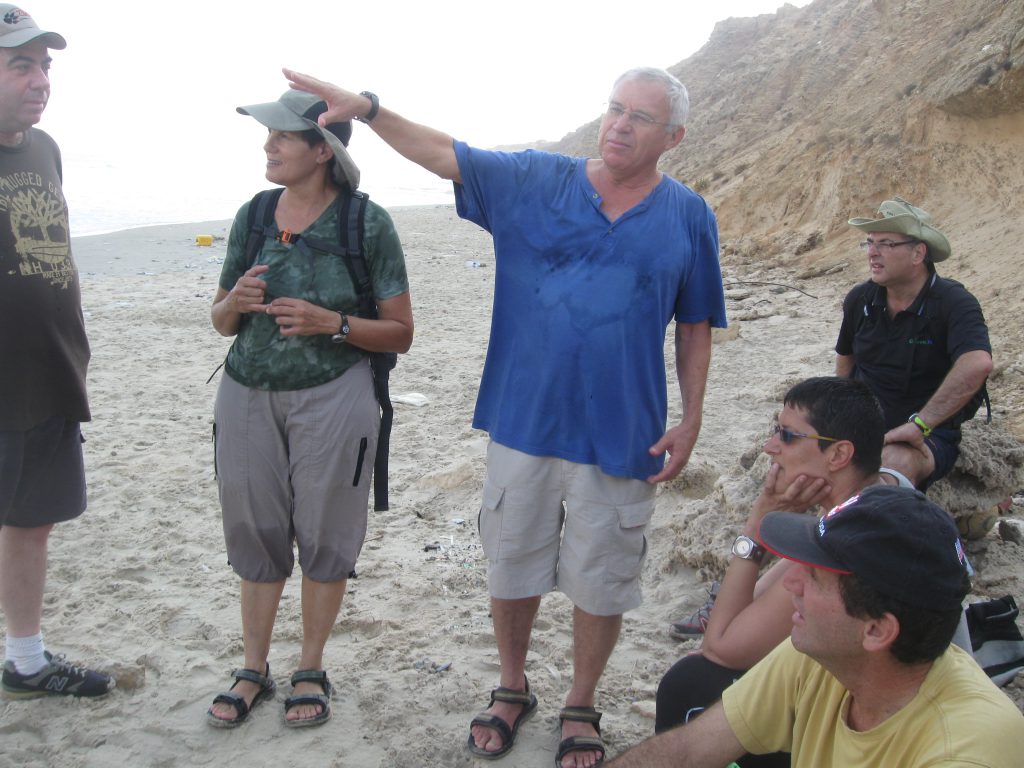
{"x": 57, "y": 684}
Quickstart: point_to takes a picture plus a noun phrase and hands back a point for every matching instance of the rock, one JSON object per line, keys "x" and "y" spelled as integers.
{"x": 129, "y": 677}
{"x": 976, "y": 525}
{"x": 1012, "y": 530}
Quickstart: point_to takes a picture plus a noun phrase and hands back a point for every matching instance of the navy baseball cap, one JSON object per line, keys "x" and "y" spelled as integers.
{"x": 893, "y": 539}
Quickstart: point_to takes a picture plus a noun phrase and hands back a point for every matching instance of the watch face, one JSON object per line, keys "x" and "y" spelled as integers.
{"x": 742, "y": 547}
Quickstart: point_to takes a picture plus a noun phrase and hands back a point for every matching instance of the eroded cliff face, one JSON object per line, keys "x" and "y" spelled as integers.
{"x": 804, "y": 118}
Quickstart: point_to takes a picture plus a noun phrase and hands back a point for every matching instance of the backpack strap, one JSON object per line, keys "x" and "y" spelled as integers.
{"x": 351, "y": 247}
{"x": 351, "y": 220}
{"x": 260, "y": 222}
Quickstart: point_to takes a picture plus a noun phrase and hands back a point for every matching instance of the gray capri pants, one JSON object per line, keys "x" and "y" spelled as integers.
{"x": 296, "y": 466}
{"x": 547, "y": 522}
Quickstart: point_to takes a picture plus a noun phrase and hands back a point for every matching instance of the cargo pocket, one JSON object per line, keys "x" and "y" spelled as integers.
{"x": 628, "y": 557}
{"x": 488, "y": 520}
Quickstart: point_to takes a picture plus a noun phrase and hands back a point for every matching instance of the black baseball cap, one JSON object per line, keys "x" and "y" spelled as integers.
{"x": 893, "y": 539}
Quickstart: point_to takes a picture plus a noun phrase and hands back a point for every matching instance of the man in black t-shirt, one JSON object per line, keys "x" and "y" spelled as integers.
{"x": 918, "y": 340}
{"x": 45, "y": 354}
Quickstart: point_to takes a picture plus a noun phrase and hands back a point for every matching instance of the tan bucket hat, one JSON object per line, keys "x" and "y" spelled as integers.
{"x": 298, "y": 111}
{"x": 897, "y": 215}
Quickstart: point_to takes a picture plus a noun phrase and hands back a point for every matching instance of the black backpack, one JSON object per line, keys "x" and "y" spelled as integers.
{"x": 996, "y": 641}
{"x": 349, "y": 245}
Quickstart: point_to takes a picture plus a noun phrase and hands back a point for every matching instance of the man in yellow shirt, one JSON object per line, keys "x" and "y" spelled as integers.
{"x": 868, "y": 676}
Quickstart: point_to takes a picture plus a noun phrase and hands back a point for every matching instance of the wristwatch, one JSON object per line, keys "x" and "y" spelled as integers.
{"x": 746, "y": 548}
{"x": 374, "y": 107}
{"x": 342, "y": 335}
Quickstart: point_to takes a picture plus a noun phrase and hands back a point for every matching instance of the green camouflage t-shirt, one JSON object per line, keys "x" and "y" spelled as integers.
{"x": 261, "y": 357}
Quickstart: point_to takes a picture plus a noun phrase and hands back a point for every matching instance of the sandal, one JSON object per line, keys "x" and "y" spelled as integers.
{"x": 242, "y": 709}
{"x": 580, "y": 743}
{"x": 323, "y": 700}
{"x": 508, "y": 734}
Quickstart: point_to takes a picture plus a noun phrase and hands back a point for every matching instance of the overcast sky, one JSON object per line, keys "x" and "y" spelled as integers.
{"x": 152, "y": 86}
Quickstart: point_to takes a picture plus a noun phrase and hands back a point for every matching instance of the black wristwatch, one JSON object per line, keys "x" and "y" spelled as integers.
{"x": 374, "y": 107}
{"x": 746, "y": 548}
{"x": 342, "y": 335}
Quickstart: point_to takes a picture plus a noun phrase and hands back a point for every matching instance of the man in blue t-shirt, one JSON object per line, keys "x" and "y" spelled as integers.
{"x": 594, "y": 258}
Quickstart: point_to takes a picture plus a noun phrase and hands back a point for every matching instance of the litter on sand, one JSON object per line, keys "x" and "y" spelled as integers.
{"x": 410, "y": 398}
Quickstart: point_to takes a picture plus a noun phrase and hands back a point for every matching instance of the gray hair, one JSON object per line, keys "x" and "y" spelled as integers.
{"x": 678, "y": 98}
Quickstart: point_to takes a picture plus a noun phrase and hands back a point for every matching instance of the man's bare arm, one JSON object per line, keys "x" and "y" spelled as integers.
{"x": 964, "y": 379}
{"x": 844, "y": 366}
{"x": 693, "y": 358}
{"x": 705, "y": 742}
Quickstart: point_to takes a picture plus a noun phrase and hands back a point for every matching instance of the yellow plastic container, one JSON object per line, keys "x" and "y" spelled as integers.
{"x": 204, "y": 239}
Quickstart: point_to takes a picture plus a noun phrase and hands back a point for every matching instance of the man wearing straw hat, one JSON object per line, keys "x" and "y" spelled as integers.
{"x": 918, "y": 340}
{"x": 45, "y": 354}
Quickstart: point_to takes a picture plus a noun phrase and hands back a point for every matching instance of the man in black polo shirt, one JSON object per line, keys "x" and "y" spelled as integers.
{"x": 918, "y": 340}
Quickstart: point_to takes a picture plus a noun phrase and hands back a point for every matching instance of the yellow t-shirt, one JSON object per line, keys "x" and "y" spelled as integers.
{"x": 790, "y": 703}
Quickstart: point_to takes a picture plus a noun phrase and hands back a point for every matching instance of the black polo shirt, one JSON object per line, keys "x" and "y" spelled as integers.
{"x": 905, "y": 359}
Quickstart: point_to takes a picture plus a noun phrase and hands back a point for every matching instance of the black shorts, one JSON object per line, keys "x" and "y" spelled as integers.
{"x": 689, "y": 687}
{"x": 945, "y": 447}
{"x": 42, "y": 474}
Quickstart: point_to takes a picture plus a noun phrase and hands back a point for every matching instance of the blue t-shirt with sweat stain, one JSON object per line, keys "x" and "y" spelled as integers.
{"x": 575, "y": 364}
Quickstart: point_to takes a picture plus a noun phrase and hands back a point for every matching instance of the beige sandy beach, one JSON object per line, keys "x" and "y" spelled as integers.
{"x": 140, "y": 584}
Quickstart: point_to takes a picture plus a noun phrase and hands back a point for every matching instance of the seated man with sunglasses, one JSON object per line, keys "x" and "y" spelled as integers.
{"x": 918, "y": 340}
{"x": 825, "y": 448}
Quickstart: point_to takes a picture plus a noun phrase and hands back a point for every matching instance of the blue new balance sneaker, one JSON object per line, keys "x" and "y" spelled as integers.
{"x": 57, "y": 678}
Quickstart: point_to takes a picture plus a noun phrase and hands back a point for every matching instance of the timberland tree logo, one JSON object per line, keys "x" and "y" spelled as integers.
{"x": 39, "y": 223}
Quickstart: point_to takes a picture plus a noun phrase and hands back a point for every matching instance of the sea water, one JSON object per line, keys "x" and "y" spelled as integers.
{"x": 107, "y": 194}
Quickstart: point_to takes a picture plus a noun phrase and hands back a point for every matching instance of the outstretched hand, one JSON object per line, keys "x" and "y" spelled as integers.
{"x": 342, "y": 105}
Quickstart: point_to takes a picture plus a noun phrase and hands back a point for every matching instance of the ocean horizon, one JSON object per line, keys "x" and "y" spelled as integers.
{"x": 110, "y": 195}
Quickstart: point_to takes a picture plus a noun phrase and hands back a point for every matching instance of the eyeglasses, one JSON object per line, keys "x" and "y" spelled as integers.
{"x": 787, "y": 436}
{"x": 637, "y": 119}
{"x": 879, "y": 245}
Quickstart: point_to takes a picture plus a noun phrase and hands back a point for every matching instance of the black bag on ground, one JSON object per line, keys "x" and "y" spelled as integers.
{"x": 995, "y": 639}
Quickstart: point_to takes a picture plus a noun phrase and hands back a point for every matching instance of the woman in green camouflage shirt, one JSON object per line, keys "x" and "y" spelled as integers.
{"x": 296, "y": 418}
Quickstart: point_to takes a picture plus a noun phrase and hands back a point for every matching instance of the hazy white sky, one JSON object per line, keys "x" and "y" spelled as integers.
{"x": 149, "y": 89}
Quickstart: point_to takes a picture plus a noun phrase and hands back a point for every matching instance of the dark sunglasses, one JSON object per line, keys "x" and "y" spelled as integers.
{"x": 787, "y": 436}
